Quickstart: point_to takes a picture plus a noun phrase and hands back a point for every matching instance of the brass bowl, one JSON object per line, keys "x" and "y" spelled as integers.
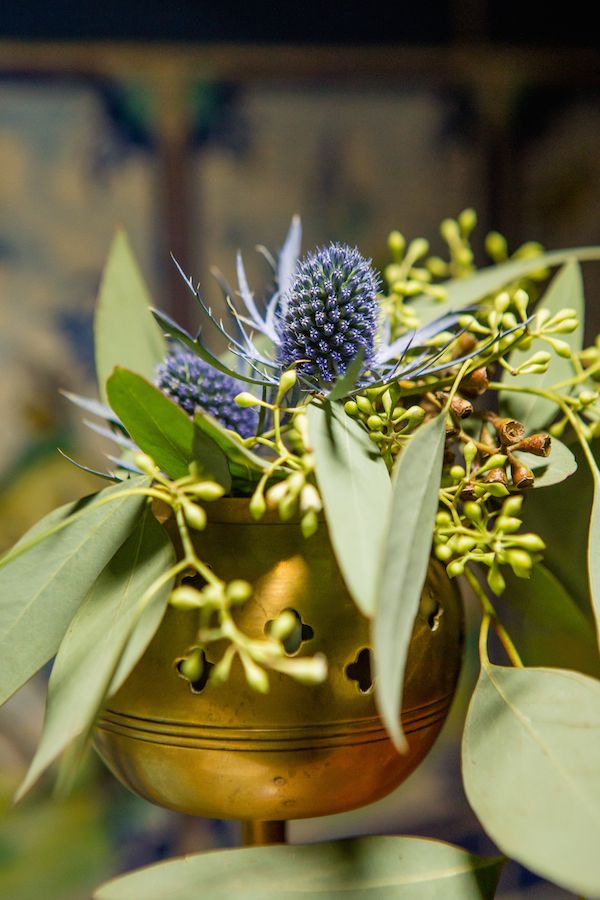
{"x": 297, "y": 751}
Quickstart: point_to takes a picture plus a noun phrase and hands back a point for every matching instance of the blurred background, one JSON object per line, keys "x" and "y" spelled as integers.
{"x": 201, "y": 128}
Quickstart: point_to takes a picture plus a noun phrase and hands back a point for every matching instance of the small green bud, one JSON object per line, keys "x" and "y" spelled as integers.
{"x": 350, "y": 408}
{"x": 455, "y": 568}
{"x": 377, "y": 437}
{"x": 282, "y": 627}
{"x": 245, "y": 398}
{"x": 276, "y": 493}
{"x": 443, "y": 518}
{"x": 206, "y": 490}
{"x": 530, "y": 542}
{"x": 495, "y": 246}
{"x": 457, "y": 473}
{"x": 286, "y": 383}
{"x": 469, "y": 453}
{"x": 309, "y": 523}
{"x": 415, "y": 415}
{"x": 449, "y": 231}
{"x": 396, "y": 244}
{"x": 255, "y": 676}
{"x": 502, "y": 302}
{"x": 145, "y": 463}
{"x": 567, "y": 326}
{"x": 586, "y": 398}
{"x": 310, "y": 499}
{"x": 257, "y": 505}
{"x": 467, "y": 220}
{"x": 192, "y": 666}
{"x": 521, "y": 302}
{"x": 473, "y": 511}
{"x": 185, "y": 597}
{"x": 437, "y": 267}
{"x": 238, "y": 590}
{"x": 418, "y": 248}
{"x": 463, "y": 543}
{"x": 220, "y": 671}
{"x": 520, "y": 562}
{"x": 496, "y": 489}
{"x": 512, "y": 506}
{"x": 194, "y": 515}
{"x": 561, "y": 348}
{"x": 496, "y": 461}
{"x": 375, "y": 423}
{"x": 443, "y": 552}
{"x": 558, "y": 428}
{"x": 364, "y": 404}
{"x": 305, "y": 669}
{"x": 507, "y": 524}
{"x": 495, "y": 580}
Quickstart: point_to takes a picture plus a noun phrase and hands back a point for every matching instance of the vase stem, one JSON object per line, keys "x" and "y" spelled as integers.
{"x": 257, "y": 833}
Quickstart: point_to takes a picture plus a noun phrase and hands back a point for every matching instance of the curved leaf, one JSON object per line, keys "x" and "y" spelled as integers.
{"x": 402, "y": 868}
{"x": 464, "y": 292}
{"x": 162, "y": 429}
{"x": 124, "y": 328}
{"x": 355, "y": 486}
{"x": 45, "y": 579}
{"x": 566, "y": 290}
{"x": 109, "y": 623}
{"x": 531, "y": 770}
{"x": 408, "y": 535}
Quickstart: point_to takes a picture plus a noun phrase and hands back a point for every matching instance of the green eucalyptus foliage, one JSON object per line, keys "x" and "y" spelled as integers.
{"x": 402, "y": 868}
{"x": 44, "y": 579}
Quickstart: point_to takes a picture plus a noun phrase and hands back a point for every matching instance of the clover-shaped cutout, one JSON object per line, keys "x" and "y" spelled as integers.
{"x": 360, "y": 671}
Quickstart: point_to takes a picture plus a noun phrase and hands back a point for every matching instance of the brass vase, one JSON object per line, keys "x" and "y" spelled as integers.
{"x": 225, "y": 751}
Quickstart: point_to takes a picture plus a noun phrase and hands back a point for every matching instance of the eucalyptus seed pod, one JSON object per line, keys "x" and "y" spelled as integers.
{"x": 496, "y": 476}
{"x": 475, "y": 384}
{"x": 509, "y": 431}
{"x": 521, "y": 475}
{"x": 538, "y": 444}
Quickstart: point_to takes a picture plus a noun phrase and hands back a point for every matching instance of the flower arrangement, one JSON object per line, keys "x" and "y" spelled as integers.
{"x": 430, "y": 411}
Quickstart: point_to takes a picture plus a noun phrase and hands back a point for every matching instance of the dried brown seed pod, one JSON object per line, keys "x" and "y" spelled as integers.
{"x": 496, "y": 476}
{"x": 522, "y": 476}
{"x": 538, "y": 444}
{"x": 475, "y": 383}
{"x": 509, "y": 431}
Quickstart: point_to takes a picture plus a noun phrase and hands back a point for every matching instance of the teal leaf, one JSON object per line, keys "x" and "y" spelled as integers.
{"x": 531, "y": 770}
{"x": 552, "y": 469}
{"x": 354, "y": 483}
{"x": 45, "y": 577}
{"x": 464, "y": 292}
{"x": 107, "y": 636}
{"x": 566, "y": 290}
{"x": 546, "y": 624}
{"x": 407, "y": 547}
{"x": 163, "y": 430}
{"x": 394, "y": 868}
{"x": 124, "y": 329}
{"x": 593, "y": 549}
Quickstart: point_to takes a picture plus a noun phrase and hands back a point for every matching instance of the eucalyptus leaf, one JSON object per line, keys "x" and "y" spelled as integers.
{"x": 407, "y": 547}
{"x": 346, "y": 382}
{"x": 163, "y": 430}
{"x": 355, "y": 486}
{"x": 45, "y": 577}
{"x": 566, "y": 290}
{"x": 548, "y": 627}
{"x": 106, "y": 637}
{"x": 402, "y": 868}
{"x": 531, "y": 770}
{"x": 464, "y": 292}
{"x": 124, "y": 329}
{"x": 552, "y": 469}
{"x": 593, "y": 550}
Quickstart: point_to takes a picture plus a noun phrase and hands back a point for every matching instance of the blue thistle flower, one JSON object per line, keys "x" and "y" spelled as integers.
{"x": 329, "y": 313}
{"x": 194, "y": 384}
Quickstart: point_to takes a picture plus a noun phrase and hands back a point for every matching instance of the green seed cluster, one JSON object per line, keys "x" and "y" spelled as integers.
{"x": 388, "y": 422}
{"x": 475, "y": 533}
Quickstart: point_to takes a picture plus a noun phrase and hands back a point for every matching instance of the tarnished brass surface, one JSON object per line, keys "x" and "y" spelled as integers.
{"x": 298, "y": 751}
